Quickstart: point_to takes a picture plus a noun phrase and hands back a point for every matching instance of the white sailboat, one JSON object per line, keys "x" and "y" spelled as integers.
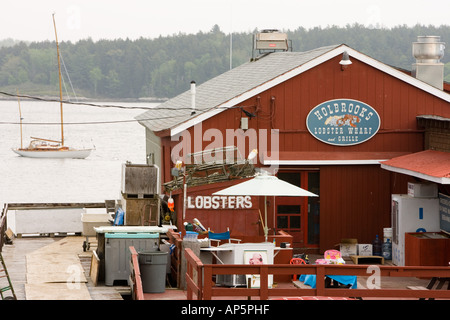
{"x": 46, "y": 148}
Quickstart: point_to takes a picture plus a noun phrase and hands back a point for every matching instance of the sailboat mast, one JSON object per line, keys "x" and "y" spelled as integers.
{"x": 20, "y": 118}
{"x": 60, "y": 84}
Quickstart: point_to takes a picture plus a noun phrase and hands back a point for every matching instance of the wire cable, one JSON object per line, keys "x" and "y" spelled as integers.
{"x": 100, "y": 106}
{"x": 83, "y": 123}
{"x": 70, "y": 102}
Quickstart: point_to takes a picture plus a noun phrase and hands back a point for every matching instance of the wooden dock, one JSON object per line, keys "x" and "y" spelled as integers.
{"x": 36, "y": 266}
{"x": 54, "y": 268}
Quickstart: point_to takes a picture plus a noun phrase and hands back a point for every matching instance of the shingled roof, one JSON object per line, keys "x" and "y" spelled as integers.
{"x": 215, "y": 93}
{"x": 249, "y": 79}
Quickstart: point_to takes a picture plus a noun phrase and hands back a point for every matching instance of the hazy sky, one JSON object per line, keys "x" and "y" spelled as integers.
{"x": 31, "y": 20}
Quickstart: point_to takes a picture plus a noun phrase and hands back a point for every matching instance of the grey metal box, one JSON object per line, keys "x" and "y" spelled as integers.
{"x": 118, "y": 256}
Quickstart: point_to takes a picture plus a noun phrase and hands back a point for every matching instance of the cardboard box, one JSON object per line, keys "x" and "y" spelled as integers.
{"x": 348, "y": 247}
{"x": 365, "y": 249}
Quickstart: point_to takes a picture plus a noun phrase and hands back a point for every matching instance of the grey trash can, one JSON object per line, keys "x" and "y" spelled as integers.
{"x": 153, "y": 271}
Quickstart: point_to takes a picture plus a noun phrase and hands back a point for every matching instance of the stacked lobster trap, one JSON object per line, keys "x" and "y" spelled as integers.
{"x": 140, "y": 200}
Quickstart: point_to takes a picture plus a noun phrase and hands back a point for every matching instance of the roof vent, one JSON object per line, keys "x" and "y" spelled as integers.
{"x": 428, "y": 51}
{"x": 271, "y": 39}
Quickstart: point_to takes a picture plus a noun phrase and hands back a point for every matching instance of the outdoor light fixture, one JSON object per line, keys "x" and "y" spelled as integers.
{"x": 345, "y": 61}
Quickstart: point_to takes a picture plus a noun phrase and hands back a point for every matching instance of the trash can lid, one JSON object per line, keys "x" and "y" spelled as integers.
{"x": 152, "y": 253}
{"x": 130, "y": 235}
{"x": 152, "y": 258}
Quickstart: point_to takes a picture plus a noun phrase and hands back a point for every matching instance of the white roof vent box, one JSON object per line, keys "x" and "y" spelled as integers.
{"x": 271, "y": 39}
{"x": 268, "y": 41}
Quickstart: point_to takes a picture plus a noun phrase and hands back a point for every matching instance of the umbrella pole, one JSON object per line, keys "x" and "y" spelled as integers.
{"x": 262, "y": 220}
{"x": 266, "y": 231}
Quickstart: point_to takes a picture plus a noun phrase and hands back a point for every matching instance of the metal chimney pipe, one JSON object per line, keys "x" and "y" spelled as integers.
{"x": 428, "y": 51}
{"x": 193, "y": 97}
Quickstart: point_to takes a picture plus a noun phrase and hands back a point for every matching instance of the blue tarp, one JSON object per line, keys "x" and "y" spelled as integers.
{"x": 310, "y": 280}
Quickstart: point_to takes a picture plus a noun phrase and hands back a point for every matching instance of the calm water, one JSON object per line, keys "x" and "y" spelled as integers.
{"x": 93, "y": 179}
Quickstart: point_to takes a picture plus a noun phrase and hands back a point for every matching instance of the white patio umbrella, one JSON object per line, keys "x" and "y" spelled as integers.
{"x": 265, "y": 185}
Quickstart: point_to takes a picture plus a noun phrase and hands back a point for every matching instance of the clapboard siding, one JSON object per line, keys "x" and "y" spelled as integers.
{"x": 354, "y": 199}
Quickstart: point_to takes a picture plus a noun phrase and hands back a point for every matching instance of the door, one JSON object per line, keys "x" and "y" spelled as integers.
{"x": 299, "y": 216}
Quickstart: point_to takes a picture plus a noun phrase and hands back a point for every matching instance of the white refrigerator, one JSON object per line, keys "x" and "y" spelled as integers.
{"x": 411, "y": 214}
{"x": 242, "y": 253}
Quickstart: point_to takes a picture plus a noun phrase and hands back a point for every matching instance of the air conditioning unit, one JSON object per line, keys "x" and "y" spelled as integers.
{"x": 271, "y": 40}
{"x": 231, "y": 280}
{"x": 422, "y": 190}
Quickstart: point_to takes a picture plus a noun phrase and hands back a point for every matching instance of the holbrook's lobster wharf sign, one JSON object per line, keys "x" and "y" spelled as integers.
{"x": 343, "y": 122}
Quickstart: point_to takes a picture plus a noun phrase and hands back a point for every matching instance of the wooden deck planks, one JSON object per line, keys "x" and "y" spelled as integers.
{"x": 54, "y": 272}
{"x": 37, "y": 273}
{"x": 57, "y": 291}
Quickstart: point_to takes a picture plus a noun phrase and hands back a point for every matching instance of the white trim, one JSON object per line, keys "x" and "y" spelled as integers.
{"x": 304, "y": 67}
{"x": 321, "y": 162}
{"x": 440, "y": 180}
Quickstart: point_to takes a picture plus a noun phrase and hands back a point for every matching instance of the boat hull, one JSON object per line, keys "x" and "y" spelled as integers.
{"x": 63, "y": 154}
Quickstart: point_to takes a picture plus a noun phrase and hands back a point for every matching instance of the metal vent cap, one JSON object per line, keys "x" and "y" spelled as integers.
{"x": 428, "y": 49}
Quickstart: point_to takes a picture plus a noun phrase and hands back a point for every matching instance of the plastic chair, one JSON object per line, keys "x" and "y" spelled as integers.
{"x": 296, "y": 261}
{"x": 218, "y": 237}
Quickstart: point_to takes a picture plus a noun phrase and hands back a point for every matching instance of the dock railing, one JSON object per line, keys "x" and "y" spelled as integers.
{"x": 137, "y": 291}
{"x": 175, "y": 257}
{"x": 194, "y": 276}
{"x": 3, "y": 226}
{"x": 204, "y": 288}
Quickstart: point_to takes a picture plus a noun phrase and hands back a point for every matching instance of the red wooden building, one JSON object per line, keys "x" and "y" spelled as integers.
{"x": 322, "y": 120}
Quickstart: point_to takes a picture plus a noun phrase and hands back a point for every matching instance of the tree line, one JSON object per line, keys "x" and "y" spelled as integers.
{"x": 163, "y": 67}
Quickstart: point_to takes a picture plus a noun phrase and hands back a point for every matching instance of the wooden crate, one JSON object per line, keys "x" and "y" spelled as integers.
{"x": 143, "y": 211}
{"x": 139, "y": 179}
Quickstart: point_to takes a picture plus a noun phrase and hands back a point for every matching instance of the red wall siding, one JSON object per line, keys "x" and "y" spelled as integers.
{"x": 396, "y": 102}
{"x": 355, "y": 200}
{"x": 355, "y": 203}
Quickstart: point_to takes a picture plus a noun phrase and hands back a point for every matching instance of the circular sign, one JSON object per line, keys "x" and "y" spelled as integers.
{"x": 343, "y": 122}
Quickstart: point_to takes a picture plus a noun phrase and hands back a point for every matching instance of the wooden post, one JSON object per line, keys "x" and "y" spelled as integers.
{"x": 264, "y": 282}
{"x": 320, "y": 280}
{"x": 189, "y": 275}
{"x": 207, "y": 287}
{"x": 200, "y": 282}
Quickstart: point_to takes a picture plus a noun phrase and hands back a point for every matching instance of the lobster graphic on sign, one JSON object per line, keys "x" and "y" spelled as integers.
{"x": 343, "y": 122}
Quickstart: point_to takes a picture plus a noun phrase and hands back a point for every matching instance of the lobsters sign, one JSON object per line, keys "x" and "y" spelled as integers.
{"x": 343, "y": 122}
